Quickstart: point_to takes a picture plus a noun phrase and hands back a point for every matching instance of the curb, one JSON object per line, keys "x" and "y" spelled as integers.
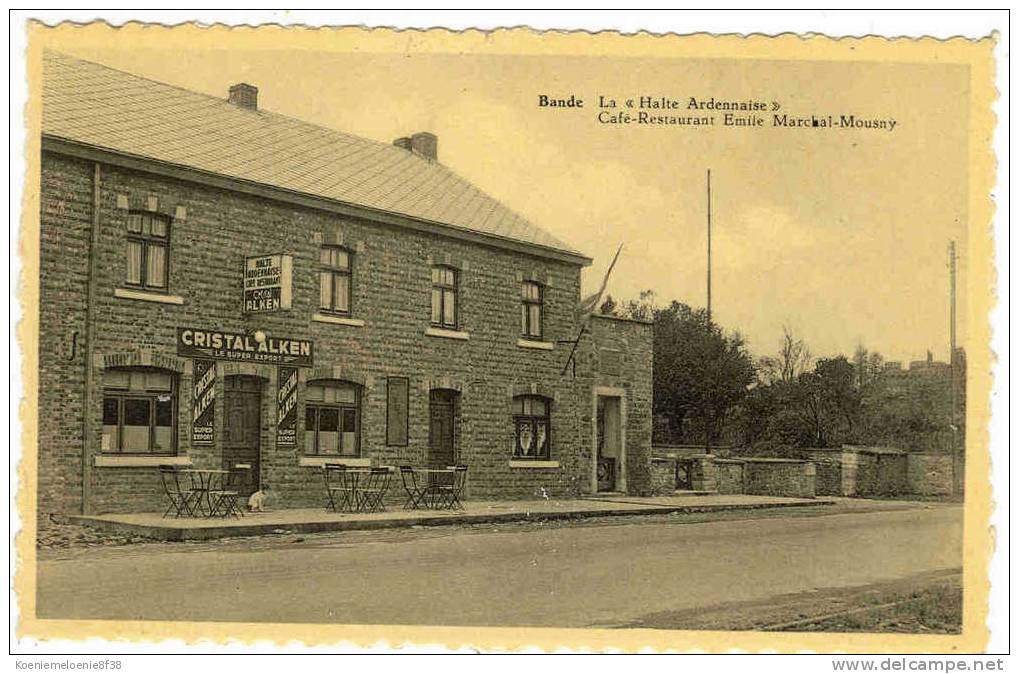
{"x": 176, "y": 534}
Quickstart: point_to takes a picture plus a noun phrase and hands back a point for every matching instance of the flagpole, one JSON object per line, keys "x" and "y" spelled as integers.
{"x": 707, "y": 426}
{"x": 709, "y": 247}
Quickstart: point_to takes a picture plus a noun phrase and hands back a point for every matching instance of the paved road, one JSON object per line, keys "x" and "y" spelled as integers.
{"x": 570, "y": 576}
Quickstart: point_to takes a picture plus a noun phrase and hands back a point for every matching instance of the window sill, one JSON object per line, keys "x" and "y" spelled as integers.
{"x": 448, "y": 334}
{"x": 338, "y": 320}
{"x": 138, "y": 460}
{"x": 144, "y": 296}
{"x": 343, "y": 461}
{"x": 532, "y": 344}
{"x": 533, "y": 464}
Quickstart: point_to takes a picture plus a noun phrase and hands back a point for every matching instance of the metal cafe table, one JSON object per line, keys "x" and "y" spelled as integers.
{"x": 205, "y": 483}
{"x": 440, "y": 488}
{"x": 356, "y": 490}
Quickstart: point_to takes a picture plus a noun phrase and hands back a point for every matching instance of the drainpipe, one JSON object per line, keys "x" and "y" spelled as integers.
{"x": 90, "y": 330}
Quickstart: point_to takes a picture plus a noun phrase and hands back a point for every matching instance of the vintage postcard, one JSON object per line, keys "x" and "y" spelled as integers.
{"x": 506, "y": 339}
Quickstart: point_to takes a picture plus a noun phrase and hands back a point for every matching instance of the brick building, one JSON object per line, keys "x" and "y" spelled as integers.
{"x": 222, "y": 286}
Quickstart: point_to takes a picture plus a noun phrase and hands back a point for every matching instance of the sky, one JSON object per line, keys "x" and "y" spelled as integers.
{"x": 840, "y": 234}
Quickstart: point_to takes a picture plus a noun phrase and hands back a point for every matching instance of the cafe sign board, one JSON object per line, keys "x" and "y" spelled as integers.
{"x": 244, "y": 348}
{"x": 268, "y": 283}
{"x": 286, "y": 407}
{"x": 203, "y": 397}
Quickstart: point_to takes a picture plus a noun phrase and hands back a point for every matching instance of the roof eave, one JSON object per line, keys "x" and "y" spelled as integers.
{"x": 68, "y": 146}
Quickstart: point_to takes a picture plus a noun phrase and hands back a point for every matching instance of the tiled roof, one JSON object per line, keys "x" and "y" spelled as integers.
{"x": 102, "y": 107}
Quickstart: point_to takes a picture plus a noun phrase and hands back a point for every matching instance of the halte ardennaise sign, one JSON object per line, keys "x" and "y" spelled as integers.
{"x": 268, "y": 283}
{"x": 197, "y": 343}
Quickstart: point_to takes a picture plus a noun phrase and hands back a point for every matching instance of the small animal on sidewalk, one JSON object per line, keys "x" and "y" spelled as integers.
{"x": 256, "y": 502}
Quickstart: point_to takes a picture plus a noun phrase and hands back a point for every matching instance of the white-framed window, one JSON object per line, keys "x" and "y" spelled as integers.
{"x": 445, "y": 311}
{"x": 148, "y": 251}
{"x": 532, "y": 427}
{"x": 139, "y": 411}
{"x": 332, "y": 418}
{"x": 334, "y": 279}
{"x": 532, "y": 297}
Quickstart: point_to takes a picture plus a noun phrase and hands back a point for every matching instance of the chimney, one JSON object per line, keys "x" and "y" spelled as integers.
{"x": 425, "y": 144}
{"x": 244, "y": 96}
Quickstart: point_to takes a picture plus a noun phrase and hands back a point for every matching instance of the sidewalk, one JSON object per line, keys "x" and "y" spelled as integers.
{"x": 314, "y": 520}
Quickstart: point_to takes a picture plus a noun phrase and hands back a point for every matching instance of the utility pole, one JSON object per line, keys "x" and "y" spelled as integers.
{"x": 957, "y": 452}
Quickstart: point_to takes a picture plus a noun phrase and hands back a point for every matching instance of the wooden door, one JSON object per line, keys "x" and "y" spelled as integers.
{"x": 608, "y": 430}
{"x": 242, "y": 432}
{"x": 441, "y": 429}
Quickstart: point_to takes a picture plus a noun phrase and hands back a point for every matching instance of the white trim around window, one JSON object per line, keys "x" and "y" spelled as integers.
{"x": 532, "y": 344}
{"x": 448, "y": 334}
{"x": 533, "y": 464}
{"x": 338, "y": 320}
{"x": 140, "y": 460}
{"x": 341, "y": 460}
{"x": 159, "y": 298}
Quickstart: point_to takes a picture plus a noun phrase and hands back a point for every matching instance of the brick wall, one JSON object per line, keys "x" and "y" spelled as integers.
{"x": 66, "y": 211}
{"x": 212, "y": 231}
{"x": 617, "y": 354}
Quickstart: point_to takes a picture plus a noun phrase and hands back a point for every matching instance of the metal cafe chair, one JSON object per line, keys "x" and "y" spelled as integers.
{"x": 448, "y": 494}
{"x": 339, "y": 489}
{"x": 415, "y": 492}
{"x": 370, "y": 497}
{"x": 224, "y": 496}
{"x": 180, "y": 498}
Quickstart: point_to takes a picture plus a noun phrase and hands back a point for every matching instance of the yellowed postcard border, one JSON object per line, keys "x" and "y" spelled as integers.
{"x": 978, "y": 540}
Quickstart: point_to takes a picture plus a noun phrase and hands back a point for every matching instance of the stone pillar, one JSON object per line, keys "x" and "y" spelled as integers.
{"x": 703, "y": 472}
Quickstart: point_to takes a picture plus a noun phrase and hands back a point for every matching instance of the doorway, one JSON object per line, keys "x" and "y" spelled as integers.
{"x": 242, "y": 431}
{"x": 442, "y": 415}
{"x": 610, "y": 443}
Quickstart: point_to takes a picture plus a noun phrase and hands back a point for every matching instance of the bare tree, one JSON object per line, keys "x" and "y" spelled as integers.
{"x": 793, "y": 359}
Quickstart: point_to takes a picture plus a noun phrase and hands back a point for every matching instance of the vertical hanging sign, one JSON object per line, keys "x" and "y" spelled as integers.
{"x": 286, "y": 407}
{"x": 203, "y": 396}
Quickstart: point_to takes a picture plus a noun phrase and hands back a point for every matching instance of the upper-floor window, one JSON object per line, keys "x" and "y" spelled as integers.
{"x": 532, "y": 427}
{"x": 334, "y": 279}
{"x": 148, "y": 250}
{"x": 332, "y": 418}
{"x": 139, "y": 411}
{"x": 444, "y": 297}
{"x": 531, "y": 298}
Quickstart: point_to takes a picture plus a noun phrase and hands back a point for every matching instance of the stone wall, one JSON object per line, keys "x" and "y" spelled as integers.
{"x": 729, "y": 476}
{"x": 930, "y": 474}
{"x": 880, "y": 471}
{"x": 779, "y": 477}
{"x": 663, "y": 475}
{"x": 212, "y": 230}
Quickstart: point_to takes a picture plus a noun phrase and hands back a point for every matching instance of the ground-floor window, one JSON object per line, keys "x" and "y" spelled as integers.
{"x": 332, "y": 419}
{"x": 532, "y": 427}
{"x": 139, "y": 411}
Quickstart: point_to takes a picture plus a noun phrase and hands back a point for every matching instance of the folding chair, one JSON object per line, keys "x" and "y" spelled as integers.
{"x": 338, "y": 487}
{"x": 370, "y": 497}
{"x": 448, "y": 494}
{"x": 180, "y": 498}
{"x": 224, "y": 499}
{"x": 415, "y": 493}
